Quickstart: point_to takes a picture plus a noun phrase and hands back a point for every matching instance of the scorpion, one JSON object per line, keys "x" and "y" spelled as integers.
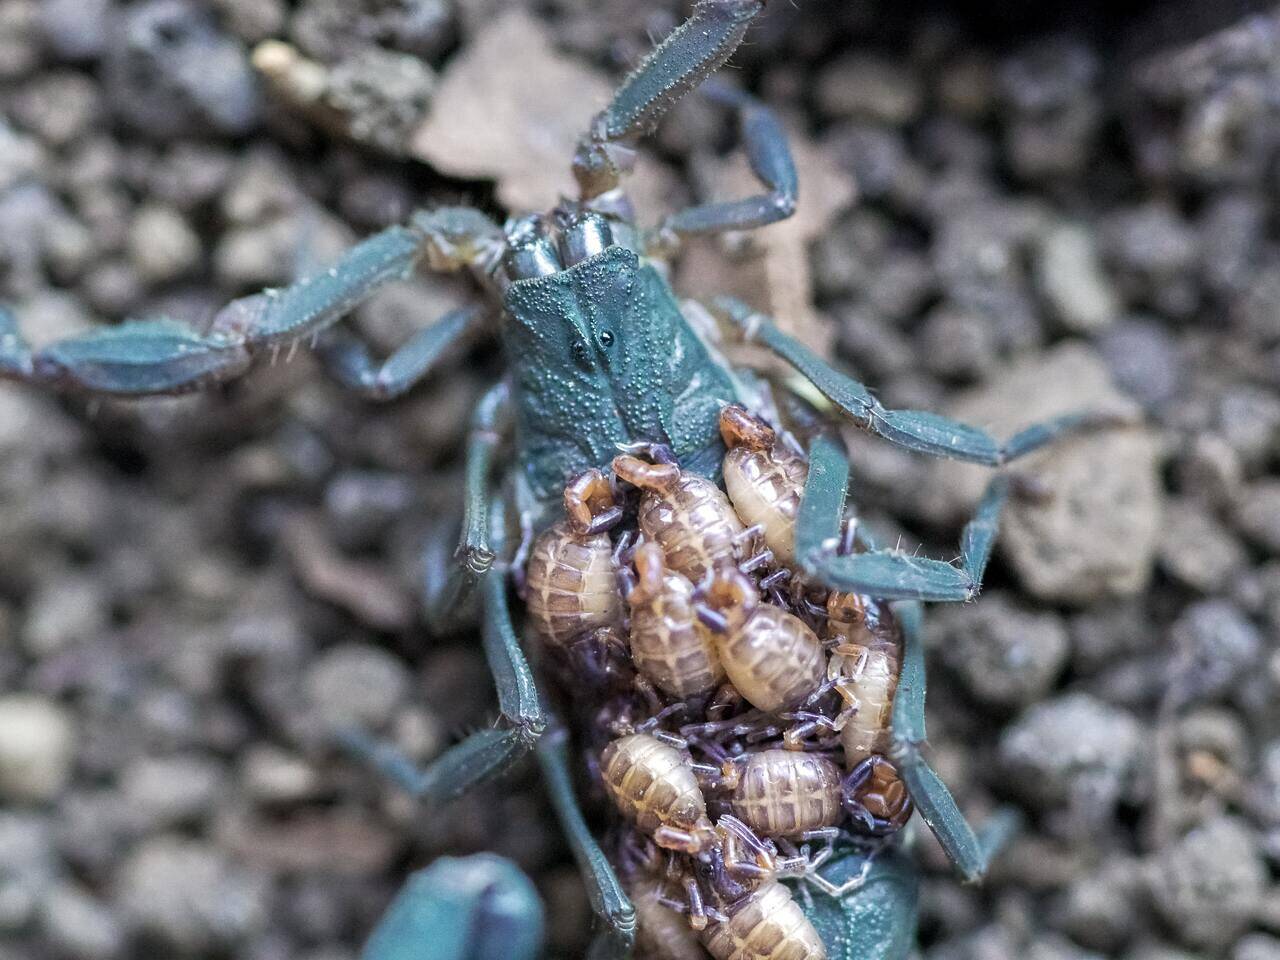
{"x": 601, "y": 360}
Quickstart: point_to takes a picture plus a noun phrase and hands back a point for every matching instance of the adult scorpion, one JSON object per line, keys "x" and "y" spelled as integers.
{"x": 601, "y": 358}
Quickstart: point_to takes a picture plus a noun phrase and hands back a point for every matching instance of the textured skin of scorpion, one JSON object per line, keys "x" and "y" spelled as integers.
{"x": 601, "y": 359}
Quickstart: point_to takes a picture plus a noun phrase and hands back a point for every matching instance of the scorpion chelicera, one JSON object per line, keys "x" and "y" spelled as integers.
{"x": 603, "y": 360}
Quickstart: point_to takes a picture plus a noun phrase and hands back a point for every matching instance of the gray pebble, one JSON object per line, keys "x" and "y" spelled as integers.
{"x": 1215, "y": 644}
{"x": 1256, "y": 946}
{"x": 28, "y": 867}
{"x": 1209, "y": 884}
{"x": 81, "y": 926}
{"x": 1073, "y": 750}
{"x": 1196, "y": 549}
{"x": 1072, "y": 279}
{"x": 75, "y": 29}
{"x": 357, "y": 684}
{"x": 167, "y": 791}
{"x": 867, "y": 87}
{"x": 37, "y": 747}
{"x": 1005, "y": 654}
{"x": 170, "y": 71}
{"x": 1258, "y": 514}
{"x": 957, "y": 343}
{"x": 191, "y": 896}
{"x": 162, "y": 244}
{"x": 64, "y": 611}
{"x": 384, "y": 96}
{"x": 1143, "y": 360}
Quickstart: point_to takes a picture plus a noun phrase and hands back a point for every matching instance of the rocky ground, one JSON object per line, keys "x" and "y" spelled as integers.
{"x": 1000, "y": 221}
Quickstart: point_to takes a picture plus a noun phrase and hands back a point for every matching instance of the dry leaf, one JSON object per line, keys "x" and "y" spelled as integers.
{"x": 510, "y": 107}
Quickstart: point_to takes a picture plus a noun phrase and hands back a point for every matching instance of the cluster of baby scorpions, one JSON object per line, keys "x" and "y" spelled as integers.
{"x": 737, "y": 716}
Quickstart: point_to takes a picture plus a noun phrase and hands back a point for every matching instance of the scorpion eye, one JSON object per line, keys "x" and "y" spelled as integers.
{"x": 606, "y": 338}
{"x": 579, "y": 351}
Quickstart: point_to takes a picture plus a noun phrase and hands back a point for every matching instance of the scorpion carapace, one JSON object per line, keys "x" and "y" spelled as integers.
{"x": 608, "y": 372}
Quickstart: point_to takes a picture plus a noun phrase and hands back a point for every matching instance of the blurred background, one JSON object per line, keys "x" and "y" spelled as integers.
{"x": 1005, "y": 213}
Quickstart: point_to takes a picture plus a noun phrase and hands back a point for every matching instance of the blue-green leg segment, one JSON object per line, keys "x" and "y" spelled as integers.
{"x": 917, "y": 430}
{"x": 462, "y": 908}
{"x": 452, "y": 570}
{"x": 485, "y": 753}
{"x": 766, "y": 145}
{"x": 885, "y": 573}
{"x": 937, "y": 806}
{"x": 348, "y": 359}
{"x": 166, "y": 356}
{"x": 608, "y": 900}
{"x": 15, "y": 354}
{"x": 689, "y": 54}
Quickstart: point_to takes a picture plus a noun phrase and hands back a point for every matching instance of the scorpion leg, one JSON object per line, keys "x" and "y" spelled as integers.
{"x": 932, "y": 798}
{"x": 462, "y": 908}
{"x": 917, "y": 430}
{"x": 608, "y": 900}
{"x": 449, "y": 582}
{"x": 689, "y": 54}
{"x": 770, "y": 158}
{"x": 348, "y": 359}
{"x": 164, "y": 356}
{"x": 485, "y": 753}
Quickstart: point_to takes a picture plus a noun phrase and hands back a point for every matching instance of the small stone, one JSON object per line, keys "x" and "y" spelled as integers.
{"x": 1215, "y": 645}
{"x": 1209, "y": 884}
{"x": 957, "y": 343}
{"x": 382, "y": 95}
{"x": 1258, "y": 514}
{"x": 58, "y": 106}
{"x": 1095, "y": 532}
{"x": 191, "y": 896}
{"x": 37, "y": 747}
{"x": 64, "y": 611}
{"x": 1099, "y": 908}
{"x": 1198, "y": 550}
{"x": 28, "y": 867}
{"x": 273, "y": 775}
{"x": 1005, "y": 654}
{"x": 1248, "y": 418}
{"x": 1071, "y": 276}
{"x": 868, "y": 87}
{"x": 1210, "y": 470}
{"x": 20, "y": 156}
{"x": 170, "y": 71}
{"x": 75, "y": 29}
{"x": 1076, "y": 750}
{"x": 80, "y": 926}
{"x": 1256, "y": 946}
{"x": 357, "y": 684}
{"x": 162, "y": 244}
{"x": 1143, "y": 360}
{"x": 166, "y": 791}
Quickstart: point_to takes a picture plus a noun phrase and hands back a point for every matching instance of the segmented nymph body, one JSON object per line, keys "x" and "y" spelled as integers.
{"x": 688, "y": 515}
{"x": 764, "y": 481}
{"x": 767, "y": 925}
{"x": 772, "y": 656}
{"x": 662, "y": 933}
{"x": 653, "y": 785}
{"x": 786, "y": 793}
{"x": 571, "y": 583}
{"x": 669, "y": 644}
